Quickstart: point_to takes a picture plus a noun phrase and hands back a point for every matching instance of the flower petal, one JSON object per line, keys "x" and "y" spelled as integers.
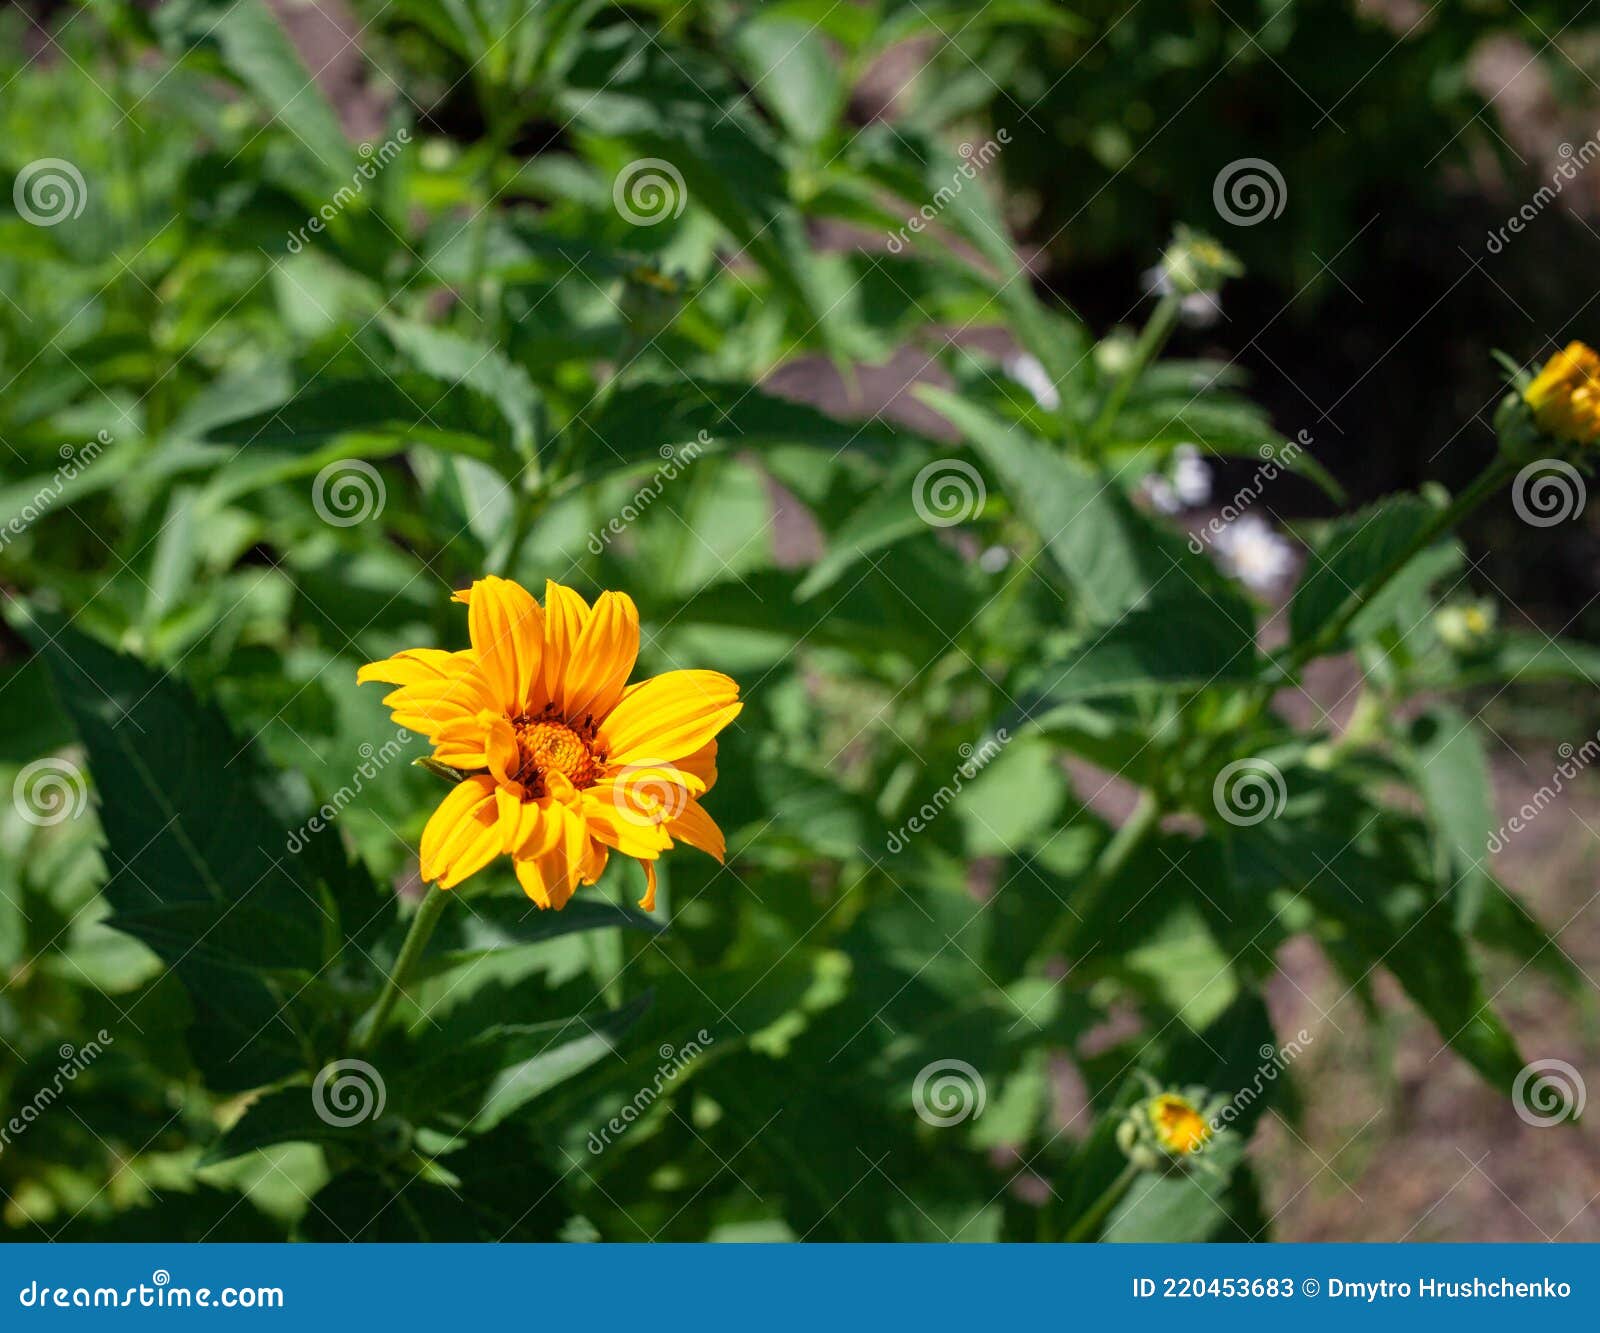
{"x": 669, "y": 716}
{"x": 648, "y": 902}
{"x": 565, "y": 615}
{"x": 602, "y": 659}
{"x": 454, "y": 831}
{"x": 695, "y": 827}
{"x": 507, "y": 629}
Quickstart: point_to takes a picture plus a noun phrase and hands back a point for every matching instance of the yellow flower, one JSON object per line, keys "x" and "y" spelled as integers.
{"x": 1178, "y": 1125}
{"x": 567, "y": 761}
{"x": 1565, "y": 396}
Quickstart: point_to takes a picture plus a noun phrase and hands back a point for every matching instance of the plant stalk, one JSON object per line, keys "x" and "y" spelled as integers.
{"x": 423, "y": 921}
{"x": 1063, "y": 937}
{"x": 1151, "y": 340}
{"x": 1087, "y": 1225}
{"x": 1488, "y": 482}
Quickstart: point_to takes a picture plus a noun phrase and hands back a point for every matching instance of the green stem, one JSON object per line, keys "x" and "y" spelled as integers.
{"x": 1063, "y": 937}
{"x": 1151, "y": 341}
{"x": 1491, "y": 479}
{"x": 1090, "y": 1223}
{"x": 422, "y": 923}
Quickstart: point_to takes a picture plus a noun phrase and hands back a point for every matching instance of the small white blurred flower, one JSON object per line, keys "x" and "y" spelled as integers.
{"x": 1163, "y": 498}
{"x": 1253, "y": 553}
{"x": 1028, "y": 371}
{"x": 1185, "y": 484}
{"x": 1191, "y": 478}
{"x": 994, "y": 559}
{"x": 1197, "y": 309}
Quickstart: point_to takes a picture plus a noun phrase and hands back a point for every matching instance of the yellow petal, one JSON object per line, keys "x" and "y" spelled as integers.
{"x": 409, "y": 668}
{"x": 507, "y": 631}
{"x": 616, "y": 819}
{"x": 669, "y": 716}
{"x": 463, "y": 743}
{"x": 648, "y": 902}
{"x": 602, "y": 658}
{"x": 565, "y": 615}
{"x": 695, "y": 827}
{"x": 465, "y": 811}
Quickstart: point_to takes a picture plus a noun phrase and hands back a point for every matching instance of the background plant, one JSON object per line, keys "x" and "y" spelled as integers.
{"x": 603, "y": 235}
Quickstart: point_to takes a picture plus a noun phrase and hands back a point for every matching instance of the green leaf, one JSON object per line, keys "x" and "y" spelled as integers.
{"x": 288, "y": 1115}
{"x": 1351, "y": 553}
{"x": 1112, "y": 555}
{"x": 1452, "y": 773}
{"x": 488, "y": 925}
{"x": 200, "y": 866}
{"x": 793, "y": 73}
{"x": 1175, "y": 640}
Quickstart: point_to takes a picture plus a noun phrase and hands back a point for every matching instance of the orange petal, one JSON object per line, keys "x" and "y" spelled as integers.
{"x": 602, "y": 658}
{"x": 618, "y": 819}
{"x": 507, "y": 629}
{"x": 669, "y": 716}
{"x": 694, "y": 826}
{"x": 648, "y": 902}
{"x": 454, "y": 831}
{"x": 500, "y": 749}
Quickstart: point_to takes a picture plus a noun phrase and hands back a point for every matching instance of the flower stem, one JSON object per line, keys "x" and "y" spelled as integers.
{"x": 423, "y": 921}
{"x": 1063, "y": 937}
{"x": 1091, "y": 1222}
{"x": 1488, "y": 482}
{"x": 1151, "y": 340}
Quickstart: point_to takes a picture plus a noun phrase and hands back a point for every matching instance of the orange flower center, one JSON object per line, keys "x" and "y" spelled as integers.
{"x": 545, "y": 745}
{"x": 1179, "y": 1126}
